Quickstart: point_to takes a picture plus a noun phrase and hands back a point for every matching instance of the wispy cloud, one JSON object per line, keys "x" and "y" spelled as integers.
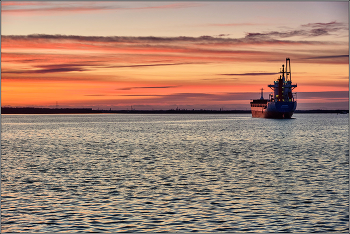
{"x": 325, "y": 95}
{"x": 140, "y": 95}
{"x": 146, "y": 87}
{"x": 209, "y": 98}
{"x": 330, "y": 26}
{"x": 57, "y": 7}
{"x": 220, "y": 79}
{"x": 234, "y": 24}
{"x": 202, "y": 39}
{"x": 193, "y": 48}
{"x": 50, "y": 69}
{"x": 307, "y": 30}
{"x": 172, "y": 6}
{"x": 20, "y": 3}
{"x": 183, "y": 98}
{"x": 330, "y": 57}
{"x": 250, "y": 74}
{"x": 43, "y": 54}
{"x": 150, "y": 65}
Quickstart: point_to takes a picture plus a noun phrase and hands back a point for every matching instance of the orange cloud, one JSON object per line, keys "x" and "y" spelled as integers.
{"x": 77, "y": 70}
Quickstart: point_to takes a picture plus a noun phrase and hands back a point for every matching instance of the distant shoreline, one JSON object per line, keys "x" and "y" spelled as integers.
{"x": 34, "y": 110}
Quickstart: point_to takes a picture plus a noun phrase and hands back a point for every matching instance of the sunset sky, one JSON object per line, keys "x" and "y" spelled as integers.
{"x": 164, "y": 55}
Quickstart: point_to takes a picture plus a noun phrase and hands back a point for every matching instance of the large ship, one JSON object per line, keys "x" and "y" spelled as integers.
{"x": 281, "y": 103}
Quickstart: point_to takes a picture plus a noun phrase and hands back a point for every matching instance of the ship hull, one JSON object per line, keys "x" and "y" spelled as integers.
{"x": 274, "y": 110}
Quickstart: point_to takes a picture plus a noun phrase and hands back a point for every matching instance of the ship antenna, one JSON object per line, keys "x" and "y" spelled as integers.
{"x": 262, "y": 94}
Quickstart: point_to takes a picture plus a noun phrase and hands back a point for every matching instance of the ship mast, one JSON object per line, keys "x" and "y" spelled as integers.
{"x": 288, "y": 72}
{"x": 262, "y": 94}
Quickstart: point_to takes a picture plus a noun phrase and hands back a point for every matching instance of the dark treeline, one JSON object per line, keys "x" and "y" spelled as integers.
{"x": 33, "y": 110}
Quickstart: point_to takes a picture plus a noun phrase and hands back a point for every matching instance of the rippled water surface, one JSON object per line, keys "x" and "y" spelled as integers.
{"x": 174, "y": 173}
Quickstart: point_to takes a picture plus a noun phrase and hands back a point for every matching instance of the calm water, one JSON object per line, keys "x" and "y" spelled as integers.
{"x": 174, "y": 173}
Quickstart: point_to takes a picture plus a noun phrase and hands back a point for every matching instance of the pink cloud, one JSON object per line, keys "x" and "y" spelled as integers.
{"x": 234, "y": 24}
{"x": 43, "y": 54}
{"x": 15, "y": 3}
{"x": 76, "y": 7}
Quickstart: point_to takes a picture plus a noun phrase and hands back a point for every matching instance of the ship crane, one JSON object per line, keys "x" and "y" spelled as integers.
{"x": 282, "y": 88}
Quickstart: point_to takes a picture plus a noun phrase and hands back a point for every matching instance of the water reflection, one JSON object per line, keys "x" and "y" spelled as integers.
{"x": 174, "y": 173}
